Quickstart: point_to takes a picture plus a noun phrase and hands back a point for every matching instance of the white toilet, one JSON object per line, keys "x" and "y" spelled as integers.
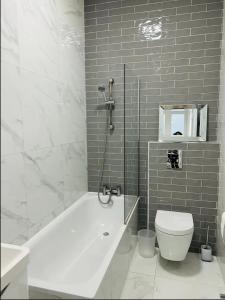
{"x": 174, "y": 231}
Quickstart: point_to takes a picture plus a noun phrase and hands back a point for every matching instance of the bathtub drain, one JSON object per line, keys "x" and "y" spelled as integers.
{"x": 105, "y": 233}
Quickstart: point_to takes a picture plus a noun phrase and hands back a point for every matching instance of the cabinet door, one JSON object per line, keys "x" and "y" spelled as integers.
{"x": 18, "y": 288}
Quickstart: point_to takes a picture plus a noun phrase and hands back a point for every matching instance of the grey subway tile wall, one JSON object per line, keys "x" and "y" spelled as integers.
{"x": 174, "y": 47}
{"x": 193, "y": 188}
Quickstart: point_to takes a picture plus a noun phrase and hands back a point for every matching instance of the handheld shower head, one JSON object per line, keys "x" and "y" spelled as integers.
{"x": 110, "y": 103}
{"x": 111, "y": 82}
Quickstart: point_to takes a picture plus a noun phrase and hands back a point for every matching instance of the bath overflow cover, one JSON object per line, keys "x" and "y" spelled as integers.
{"x": 105, "y": 233}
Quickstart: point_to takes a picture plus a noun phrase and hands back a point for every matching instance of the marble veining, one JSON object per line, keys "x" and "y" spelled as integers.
{"x": 44, "y": 164}
{"x": 11, "y": 119}
{"x": 9, "y": 32}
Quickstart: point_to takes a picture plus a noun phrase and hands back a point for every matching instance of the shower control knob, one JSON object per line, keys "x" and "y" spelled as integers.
{"x": 116, "y": 190}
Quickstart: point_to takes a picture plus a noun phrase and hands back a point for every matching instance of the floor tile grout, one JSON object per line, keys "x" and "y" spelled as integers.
{"x": 157, "y": 256}
{"x": 140, "y": 283}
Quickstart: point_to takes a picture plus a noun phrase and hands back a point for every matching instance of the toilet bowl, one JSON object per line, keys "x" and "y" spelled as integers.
{"x": 174, "y": 231}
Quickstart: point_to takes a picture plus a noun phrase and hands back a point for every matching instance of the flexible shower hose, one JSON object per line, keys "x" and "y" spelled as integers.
{"x": 103, "y": 164}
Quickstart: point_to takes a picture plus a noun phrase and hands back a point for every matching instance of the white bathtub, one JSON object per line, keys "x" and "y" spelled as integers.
{"x": 71, "y": 258}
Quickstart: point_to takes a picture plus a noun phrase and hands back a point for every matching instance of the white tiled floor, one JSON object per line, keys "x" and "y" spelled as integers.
{"x": 156, "y": 278}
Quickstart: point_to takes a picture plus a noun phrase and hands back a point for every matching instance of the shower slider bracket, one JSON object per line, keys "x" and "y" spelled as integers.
{"x": 110, "y": 102}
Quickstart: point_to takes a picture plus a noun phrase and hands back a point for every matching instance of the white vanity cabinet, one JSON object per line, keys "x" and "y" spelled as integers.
{"x": 14, "y": 260}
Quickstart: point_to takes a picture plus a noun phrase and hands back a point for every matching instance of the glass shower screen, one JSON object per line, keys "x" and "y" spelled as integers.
{"x": 131, "y": 140}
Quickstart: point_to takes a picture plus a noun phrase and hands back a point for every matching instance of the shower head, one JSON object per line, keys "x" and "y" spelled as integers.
{"x": 111, "y": 82}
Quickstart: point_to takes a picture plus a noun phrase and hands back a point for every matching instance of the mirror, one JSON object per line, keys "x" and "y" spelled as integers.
{"x": 185, "y": 122}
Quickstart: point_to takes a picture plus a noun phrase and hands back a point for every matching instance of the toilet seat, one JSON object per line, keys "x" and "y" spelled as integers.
{"x": 174, "y": 223}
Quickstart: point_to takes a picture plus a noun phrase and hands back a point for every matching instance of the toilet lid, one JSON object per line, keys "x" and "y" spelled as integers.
{"x": 175, "y": 223}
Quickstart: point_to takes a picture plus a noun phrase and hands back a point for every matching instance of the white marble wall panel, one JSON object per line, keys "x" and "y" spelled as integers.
{"x": 44, "y": 160}
{"x": 75, "y": 165}
{"x": 11, "y": 110}
{"x": 9, "y": 32}
{"x": 44, "y": 183}
{"x": 13, "y": 199}
{"x": 38, "y": 37}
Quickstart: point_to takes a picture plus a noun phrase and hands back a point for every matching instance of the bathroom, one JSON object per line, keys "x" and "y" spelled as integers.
{"x": 113, "y": 149}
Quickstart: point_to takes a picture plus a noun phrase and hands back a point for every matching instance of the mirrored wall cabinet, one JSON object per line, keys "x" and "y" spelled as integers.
{"x": 186, "y": 122}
